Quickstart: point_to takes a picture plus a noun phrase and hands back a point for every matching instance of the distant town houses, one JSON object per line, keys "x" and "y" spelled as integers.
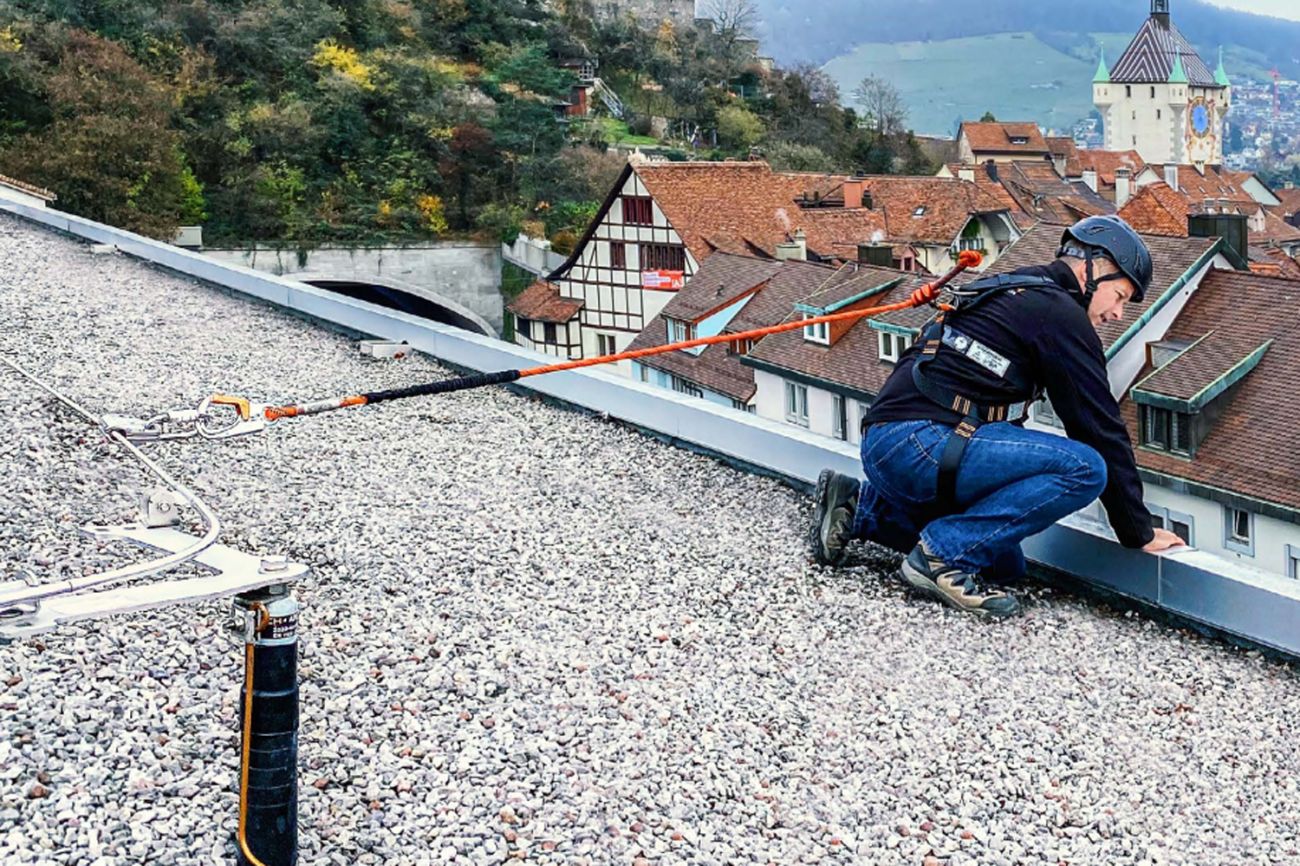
{"x": 661, "y": 221}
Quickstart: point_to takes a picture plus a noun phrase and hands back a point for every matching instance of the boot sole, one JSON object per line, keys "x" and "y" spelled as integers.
{"x": 927, "y": 587}
{"x": 819, "y": 552}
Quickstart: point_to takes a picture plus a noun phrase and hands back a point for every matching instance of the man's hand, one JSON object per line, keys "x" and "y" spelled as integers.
{"x": 1164, "y": 540}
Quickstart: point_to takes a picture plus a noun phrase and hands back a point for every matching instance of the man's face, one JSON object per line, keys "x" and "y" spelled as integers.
{"x": 1107, "y": 304}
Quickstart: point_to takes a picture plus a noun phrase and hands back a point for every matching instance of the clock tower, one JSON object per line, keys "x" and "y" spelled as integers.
{"x": 1161, "y": 99}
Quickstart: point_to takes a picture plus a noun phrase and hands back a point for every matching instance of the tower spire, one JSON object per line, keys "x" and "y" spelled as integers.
{"x": 1160, "y": 10}
{"x": 1103, "y": 73}
{"x": 1221, "y": 74}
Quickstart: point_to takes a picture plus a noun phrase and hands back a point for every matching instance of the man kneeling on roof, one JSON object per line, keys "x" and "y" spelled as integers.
{"x": 953, "y": 478}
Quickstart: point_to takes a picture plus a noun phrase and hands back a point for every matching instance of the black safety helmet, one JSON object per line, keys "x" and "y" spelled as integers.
{"x": 1117, "y": 240}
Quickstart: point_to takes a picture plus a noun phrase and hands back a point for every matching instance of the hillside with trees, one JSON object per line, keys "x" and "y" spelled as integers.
{"x": 305, "y": 122}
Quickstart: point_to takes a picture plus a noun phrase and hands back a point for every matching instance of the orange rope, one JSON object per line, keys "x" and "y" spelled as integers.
{"x": 924, "y": 295}
{"x": 927, "y": 294}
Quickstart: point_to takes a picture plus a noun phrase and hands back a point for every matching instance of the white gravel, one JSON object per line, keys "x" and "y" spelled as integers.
{"x": 531, "y": 634}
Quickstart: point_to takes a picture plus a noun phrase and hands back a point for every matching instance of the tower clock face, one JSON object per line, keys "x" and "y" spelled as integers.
{"x": 1200, "y": 118}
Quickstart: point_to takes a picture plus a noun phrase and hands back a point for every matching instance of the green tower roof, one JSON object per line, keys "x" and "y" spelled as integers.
{"x": 1103, "y": 74}
{"x": 1178, "y": 75}
{"x": 1221, "y": 74}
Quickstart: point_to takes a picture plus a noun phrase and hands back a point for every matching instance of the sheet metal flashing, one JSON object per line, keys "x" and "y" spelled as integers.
{"x": 1250, "y": 604}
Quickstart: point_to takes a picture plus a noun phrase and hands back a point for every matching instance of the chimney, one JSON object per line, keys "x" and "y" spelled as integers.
{"x": 1058, "y": 163}
{"x": 1090, "y": 178}
{"x": 880, "y": 255}
{"x": 1123, "y": 186}
{"x": 967, "y": 174}
{"x": 991, "y": 168}
{"x": 1290, "y": 184}
{"x": 854, "y": 190}
{"x": 1232, "y": 227}
{"x": 795, "y": 249}
{"x": 1171, "y": 176}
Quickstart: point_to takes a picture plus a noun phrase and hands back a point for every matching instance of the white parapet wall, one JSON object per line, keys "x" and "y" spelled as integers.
{"x": 1230, "y": 598}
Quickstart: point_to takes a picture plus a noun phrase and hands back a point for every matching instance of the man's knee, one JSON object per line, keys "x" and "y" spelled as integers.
{"x": 1088, "y": 471}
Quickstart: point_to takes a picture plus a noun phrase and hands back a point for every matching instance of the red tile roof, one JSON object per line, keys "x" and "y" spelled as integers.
{"x": 542, "y": 301}
{"x": 30, "y": 189}
{"x": 1065, "y": 148}
{"x": 931, "y": 210}
{"x": 996, "y": 137}
{"x": 739, "y": 206}
{"x": 1276, "y": 231}
{"x": 1157, "y": 210}
{"x": 1290, "y": 202}
{"x": 1251, "y": 449}
{"x": 1216, "y": 184}
{"x": 1105, "y": 162}
{"x": 1043, "y": 194}
{"x": 996, "y": 190}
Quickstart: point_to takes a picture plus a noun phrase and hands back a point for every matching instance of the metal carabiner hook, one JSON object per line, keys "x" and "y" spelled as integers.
{"x": 249, "y": 417}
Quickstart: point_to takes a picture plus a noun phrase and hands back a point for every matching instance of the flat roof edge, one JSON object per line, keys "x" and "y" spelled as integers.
{"x": 1253, "y": 605}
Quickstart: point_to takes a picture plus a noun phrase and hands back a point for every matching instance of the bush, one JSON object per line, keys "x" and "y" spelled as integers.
{"x": 788, "y": 156}
{"x": 564, "y": 242}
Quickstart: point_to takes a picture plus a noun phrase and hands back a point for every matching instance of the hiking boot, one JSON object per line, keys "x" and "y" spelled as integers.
{"x": 832, "y": 525}
{"x": 956, "y": 588}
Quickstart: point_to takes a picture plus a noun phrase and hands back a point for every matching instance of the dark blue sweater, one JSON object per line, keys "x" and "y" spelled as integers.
{"x": 1047, "y": 336}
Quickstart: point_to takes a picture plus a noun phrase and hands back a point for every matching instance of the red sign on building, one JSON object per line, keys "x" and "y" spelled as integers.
{"x": 665, "y": 280}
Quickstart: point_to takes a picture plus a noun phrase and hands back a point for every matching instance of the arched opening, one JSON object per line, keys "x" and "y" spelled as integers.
{"x": 405, "y": 302}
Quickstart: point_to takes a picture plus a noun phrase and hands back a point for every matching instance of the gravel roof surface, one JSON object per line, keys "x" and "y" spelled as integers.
{"x": 533, "y": 631}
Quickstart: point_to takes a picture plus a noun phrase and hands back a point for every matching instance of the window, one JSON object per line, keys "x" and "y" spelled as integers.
{"x": 1182, "y": 525}
{"x": 1128, "y": 90}
{"x": 919, "y": 212}
{"x": 742, "y": 406}
{"x": 524, "y": 327}
{"x": 975, "y": 243}
{"x": 1166, "y": 430}
{"x": 839, "y": 418}
{"x": 684, "y": 386}
{"x": 618, "y": 254}
{"x": 1239, "y": 530}
{"x": 796, "y": 404}
{"x": 637, "y": 210}
{"x": 645, "y": 372}
{"x": 605, "y": 344}
{"x": 662, "y": 257}
{"x": 892, "y": 346}
{"x": 818, "y": 333}
{"x": 1153, "y": 92}
{"x": 1293, "y": 561}
{"x": 1157, "y": 114}
{"x": 548, "y": 332}
{"x": 740, "y": 347}
{"x": 1020, "y": 139}
{"x": 679, "y": 331}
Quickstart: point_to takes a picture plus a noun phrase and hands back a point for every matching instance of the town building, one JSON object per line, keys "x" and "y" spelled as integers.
{"x": 1033, "y": 190}
{"x": 1001, "y": 142}
{"x": 662, "y": 220}
{"x": 730, "y": 294}
{"x": 1161, "y": 99}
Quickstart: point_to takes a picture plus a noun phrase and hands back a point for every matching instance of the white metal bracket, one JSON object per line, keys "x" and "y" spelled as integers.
{"x": 235, "y": 572}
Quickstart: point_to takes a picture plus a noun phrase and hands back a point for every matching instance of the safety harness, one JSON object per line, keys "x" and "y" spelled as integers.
{"x": 940, "y": 332}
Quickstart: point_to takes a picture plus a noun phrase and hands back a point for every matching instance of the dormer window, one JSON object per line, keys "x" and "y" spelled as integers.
{"x": 919, "y": 212}
{"x": 1020, "y": 139}
{"x": 679, "y": 331}
{"x": 819, "y": 333}
{"x": 1166, "y": 430}
{"x": 740, "y": 347}
{"x": 892, "y": 346}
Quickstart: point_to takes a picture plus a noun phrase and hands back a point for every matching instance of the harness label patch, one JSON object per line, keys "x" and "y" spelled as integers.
{"x": 977, "y": 352}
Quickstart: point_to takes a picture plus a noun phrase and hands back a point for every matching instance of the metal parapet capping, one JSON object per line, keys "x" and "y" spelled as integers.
{"x": 1237, "y": 600}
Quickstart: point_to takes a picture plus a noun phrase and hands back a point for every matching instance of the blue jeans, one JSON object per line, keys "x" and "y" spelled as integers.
{"x": 1012, "y": 483}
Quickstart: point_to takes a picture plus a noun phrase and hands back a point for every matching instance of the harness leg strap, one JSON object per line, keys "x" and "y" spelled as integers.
{"x": 950, "y": 461}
